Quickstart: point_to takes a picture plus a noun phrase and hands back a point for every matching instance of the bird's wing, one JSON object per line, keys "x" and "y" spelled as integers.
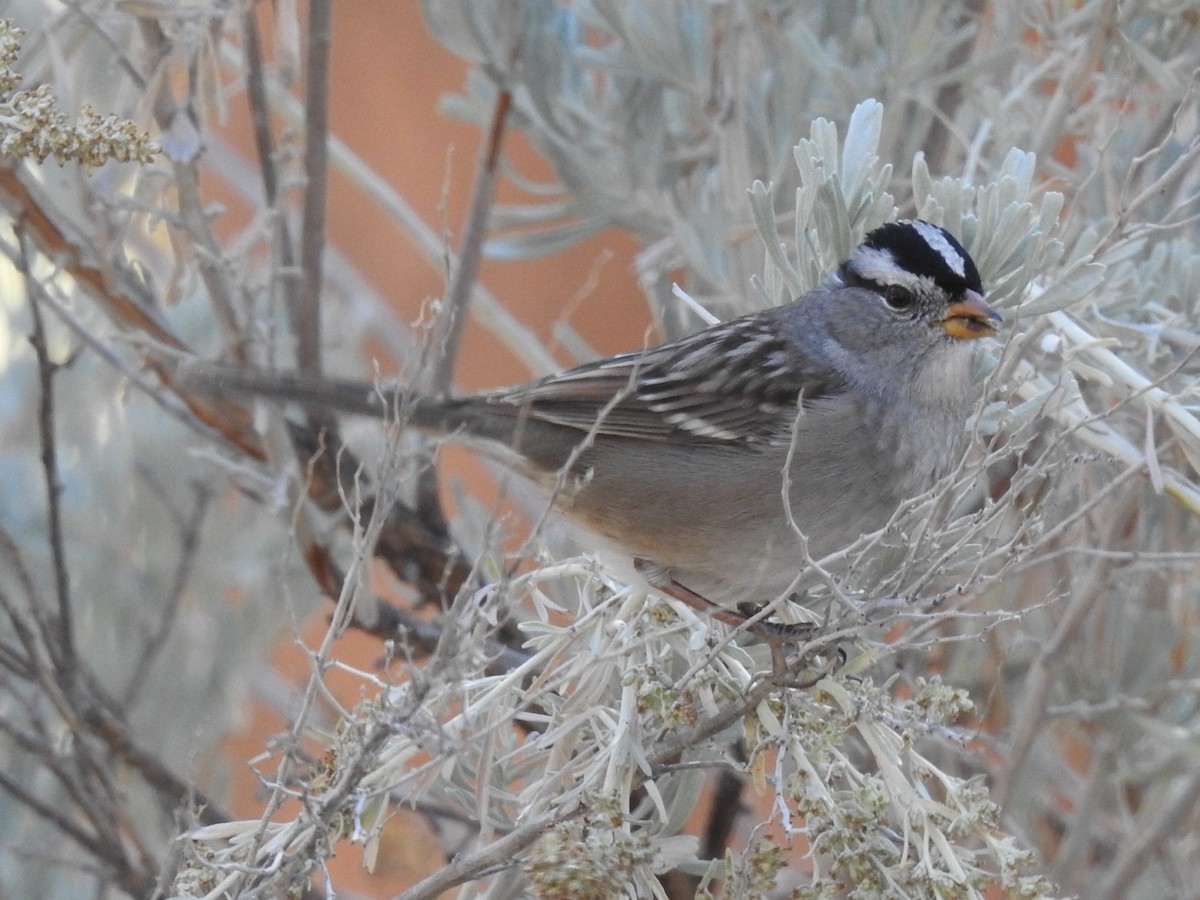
{"x": 726, "y": 385}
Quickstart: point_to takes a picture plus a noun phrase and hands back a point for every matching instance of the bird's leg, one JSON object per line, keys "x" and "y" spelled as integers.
{"x": 776, "y": 635}
{"x": 661, "y": 580}
{"x": 781, "y": 630}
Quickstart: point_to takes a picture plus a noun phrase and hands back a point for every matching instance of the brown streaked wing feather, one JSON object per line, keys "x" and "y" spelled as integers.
{"x": 725, "y": 385}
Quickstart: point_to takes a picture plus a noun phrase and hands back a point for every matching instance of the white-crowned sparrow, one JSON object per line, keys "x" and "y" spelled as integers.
{"x": 676, "y": 455}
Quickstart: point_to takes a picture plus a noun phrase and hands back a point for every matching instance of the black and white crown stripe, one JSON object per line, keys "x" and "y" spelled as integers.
{"x": 941, "y": 241}
{"x": 920, "y": 249}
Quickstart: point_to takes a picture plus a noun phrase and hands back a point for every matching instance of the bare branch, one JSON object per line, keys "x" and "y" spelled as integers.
{"x": 62, "y": 648}
{"x": 306, "y": 320}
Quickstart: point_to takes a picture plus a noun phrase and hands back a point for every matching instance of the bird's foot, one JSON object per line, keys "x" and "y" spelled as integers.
{"x": 818, "y": 666}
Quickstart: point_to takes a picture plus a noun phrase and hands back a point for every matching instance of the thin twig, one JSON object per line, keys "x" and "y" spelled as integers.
{"x": 63, "y": 649}
{"x": 192, "y": 214}
{"x": 189, "y": 543}
{"x": 447, "y": 333}
{"x": 260, "y": 113}
{"x": 306, "y": 314}
{"x": 48, "y": 813}
{"x": 258, "y": 104}
{"x": 27, "y": 633}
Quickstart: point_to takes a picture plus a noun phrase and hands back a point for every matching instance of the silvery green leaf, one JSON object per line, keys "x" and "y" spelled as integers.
{"x": 1072, "y": 285}
{"x": 768, "y": 289}
{"x": 513, "y": 215}
{"x": 833, "y": 221}
{"x": 993, "y": 417}
{"x": 1088, "y": 241}
{"x": 1051, "y": 209}
{"x": 542, "y": 241}
{"x": 860, "y": 148}
{"x": 922, "y": 188}
{"x": 1021, "y": 166}
{"x": 763, "y": 210}
{"x": 1089, "y": 372}
{"x": 1008, "y": 232}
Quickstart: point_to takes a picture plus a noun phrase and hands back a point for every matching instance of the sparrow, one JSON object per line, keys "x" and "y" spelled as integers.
{"x": 720, "y": 462}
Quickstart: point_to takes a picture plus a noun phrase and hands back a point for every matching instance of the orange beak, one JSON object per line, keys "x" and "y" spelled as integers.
{"x": 970, "y": 318}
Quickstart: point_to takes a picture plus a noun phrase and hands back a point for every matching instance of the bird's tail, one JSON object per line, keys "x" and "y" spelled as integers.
{"x": 473, "y": 418}
{"x": 342, "y": 395}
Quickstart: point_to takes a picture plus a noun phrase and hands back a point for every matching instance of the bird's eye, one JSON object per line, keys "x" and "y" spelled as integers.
{"x": 899, "y": 298}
